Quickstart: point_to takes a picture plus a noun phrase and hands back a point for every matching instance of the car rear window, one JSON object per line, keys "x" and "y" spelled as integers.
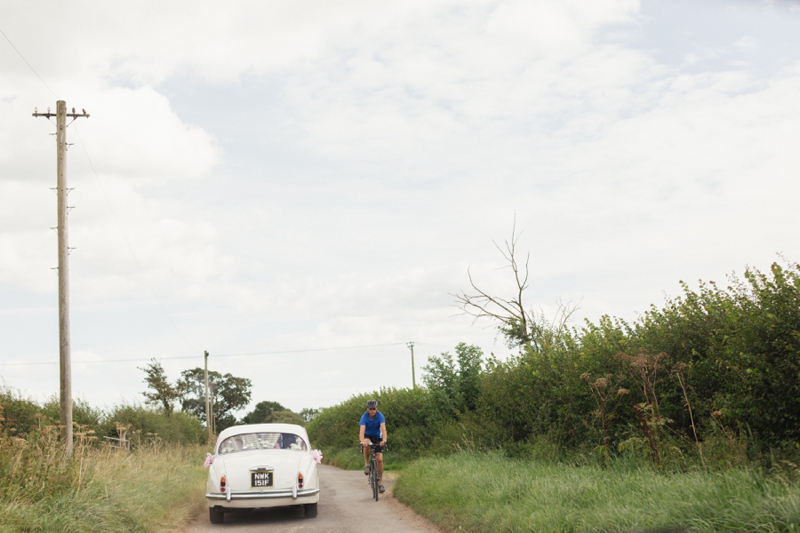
{"x": 262, "y": 441}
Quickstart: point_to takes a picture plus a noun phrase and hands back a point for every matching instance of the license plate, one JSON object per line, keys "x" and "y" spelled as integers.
{"x": 261, "y": 479}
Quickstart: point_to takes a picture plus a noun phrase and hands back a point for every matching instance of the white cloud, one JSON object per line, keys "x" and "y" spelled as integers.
{"x": 392, "y": 145}
{"x": 746, "y": 43}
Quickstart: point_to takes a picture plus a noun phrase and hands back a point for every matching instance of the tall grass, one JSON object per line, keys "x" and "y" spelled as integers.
{"x": 156, "y": 487}
{"x": 490, "y": 493}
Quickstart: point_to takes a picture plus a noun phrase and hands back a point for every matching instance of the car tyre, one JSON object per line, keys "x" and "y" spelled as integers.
{"x": 216, "y": 515}
{"x": 311, "y": 510}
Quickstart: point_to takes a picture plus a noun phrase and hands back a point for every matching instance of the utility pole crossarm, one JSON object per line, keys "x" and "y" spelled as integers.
{"x": 83, "y": 114}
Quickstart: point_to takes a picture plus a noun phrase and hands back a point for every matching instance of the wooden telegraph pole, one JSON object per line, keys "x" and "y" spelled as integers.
{"x": 208, "y": 403}
{"x": 63, "y": 267}
{"x": 413, "y": 374}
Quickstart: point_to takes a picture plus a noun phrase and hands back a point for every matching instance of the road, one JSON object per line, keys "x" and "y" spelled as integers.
{"x": 345, "y": 505}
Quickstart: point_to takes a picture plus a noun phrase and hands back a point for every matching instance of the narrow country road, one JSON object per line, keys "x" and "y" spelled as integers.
{"x": 345, "y": 505}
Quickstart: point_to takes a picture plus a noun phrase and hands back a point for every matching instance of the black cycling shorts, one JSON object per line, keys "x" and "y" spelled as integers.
{"x": 376, "y": 440}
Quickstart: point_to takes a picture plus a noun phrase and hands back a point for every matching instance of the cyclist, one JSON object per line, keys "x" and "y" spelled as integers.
{"x": 373, "y": 431}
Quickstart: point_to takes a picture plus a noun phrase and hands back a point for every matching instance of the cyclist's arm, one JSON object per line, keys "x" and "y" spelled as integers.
{"x": 361, "y": 437}
{"x": 383, "y": 432}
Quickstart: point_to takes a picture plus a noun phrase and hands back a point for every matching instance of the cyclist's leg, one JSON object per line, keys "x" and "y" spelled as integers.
{"x": 365, "y": 449}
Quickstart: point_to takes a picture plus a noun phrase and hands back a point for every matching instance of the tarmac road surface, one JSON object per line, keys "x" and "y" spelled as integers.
{"x": 345, "y": 505}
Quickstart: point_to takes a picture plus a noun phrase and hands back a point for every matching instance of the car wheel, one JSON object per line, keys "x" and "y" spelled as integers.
{"x": 311, "y": 510}
{"x": 216, "y": 515}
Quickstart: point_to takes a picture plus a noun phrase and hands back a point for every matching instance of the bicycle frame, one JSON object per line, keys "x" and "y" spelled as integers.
{"x": 374, "y": 480}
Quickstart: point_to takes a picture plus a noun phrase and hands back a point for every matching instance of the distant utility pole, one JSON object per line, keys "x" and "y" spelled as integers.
{"x": 208, "y": 402}
{"x": 413, "y": 377}
{"x": 63, "y": 266}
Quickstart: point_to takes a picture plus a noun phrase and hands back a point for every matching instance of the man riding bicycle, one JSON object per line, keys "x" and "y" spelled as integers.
{"x": 373, "y": 431}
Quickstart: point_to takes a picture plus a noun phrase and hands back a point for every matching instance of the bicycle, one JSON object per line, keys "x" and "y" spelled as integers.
{"x": 373, "y": 478}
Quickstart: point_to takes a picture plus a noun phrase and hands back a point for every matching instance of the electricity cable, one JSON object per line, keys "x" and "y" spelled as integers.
{"x": 276, "y": 352}
{"x": 108, "y": 201}
{"x": 26, "y": 62}
{"x": 127, "y": 242}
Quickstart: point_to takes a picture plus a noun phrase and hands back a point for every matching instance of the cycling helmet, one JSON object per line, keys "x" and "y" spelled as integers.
{"x": 372, "y": 404}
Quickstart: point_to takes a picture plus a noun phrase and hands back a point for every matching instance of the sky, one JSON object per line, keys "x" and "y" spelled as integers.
{"x": 301, "y": 187}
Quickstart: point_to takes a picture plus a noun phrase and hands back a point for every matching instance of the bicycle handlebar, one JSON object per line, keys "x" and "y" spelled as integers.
{"x": 374, "y": 446}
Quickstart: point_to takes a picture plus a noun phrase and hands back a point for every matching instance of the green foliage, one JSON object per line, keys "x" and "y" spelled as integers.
{"x": 441, "y": 378}
{"x": 272, "y": 412}
{"x": 146, "y": 425}
{"x": 287, "y": 417}
{"x": 83, "y": 414}
{"x": 710, "y": 363}
{"x": 228, "y": 393}
{"x": 164, "y": 393}
{"x": 22, "y": 417}
{"x": 741, "y": 350}
{"x": 336, "y": 428}
{"x": 308, "y": 413}
{"x": 262, "y": 413}
{"x": 539, "y": 393}
{"x": 709, "y": 380}
{"x": 454, "y": 385}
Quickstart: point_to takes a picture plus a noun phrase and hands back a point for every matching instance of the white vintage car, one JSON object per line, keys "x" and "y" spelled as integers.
{"x": 262, "y": 465}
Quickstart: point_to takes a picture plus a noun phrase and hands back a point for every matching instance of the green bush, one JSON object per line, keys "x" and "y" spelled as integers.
{"x": 336, "y": 428}
{"x": 708, "y": 379}
{"x": 20, "y": 415}
{"x": 713, "y": 364}
{"x": 83, "y": 414}
{"x": 147, "y": 424}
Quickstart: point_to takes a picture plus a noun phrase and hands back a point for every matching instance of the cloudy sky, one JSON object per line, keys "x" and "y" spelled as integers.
{"x": 307, "y": 182}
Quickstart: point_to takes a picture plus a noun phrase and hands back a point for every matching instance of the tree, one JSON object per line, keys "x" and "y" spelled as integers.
{"x": 228, "y": 394}
{"x": 454, "y": 384}
{"x": 469, "y": 374}
{"x": 164, "y": 393}
{"x": 262, "y": 413}
{"x": 520, "y": 326}
{"x": 309, "y": 413}
{"x": 287, "y": 417}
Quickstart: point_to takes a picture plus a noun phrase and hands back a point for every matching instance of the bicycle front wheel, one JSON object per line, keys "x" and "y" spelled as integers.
{"x": 373, "y": 479}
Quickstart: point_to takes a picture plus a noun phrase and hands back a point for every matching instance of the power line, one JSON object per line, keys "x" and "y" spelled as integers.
{"x": 102, "y": 189}
{"x": 434, "y": 345}
{"x": 127, "y": 242}
{"x": 277, "y": 352}
{"x": 29, "y": 65}
{"x": 310, "y": 350}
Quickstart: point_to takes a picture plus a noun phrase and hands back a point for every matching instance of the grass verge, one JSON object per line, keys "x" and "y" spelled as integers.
{"x": 156, "y": 487}
{"x": 490, "y": 493}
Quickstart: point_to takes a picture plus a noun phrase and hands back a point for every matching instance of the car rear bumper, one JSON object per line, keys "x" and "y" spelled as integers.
{"x": 248, "y": 500}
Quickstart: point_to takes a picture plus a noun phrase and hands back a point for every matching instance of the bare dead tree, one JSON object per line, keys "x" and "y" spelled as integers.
{"x": 518, "y": 324}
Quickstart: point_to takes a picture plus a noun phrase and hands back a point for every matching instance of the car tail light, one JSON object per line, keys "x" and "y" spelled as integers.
{"x": 299, "y": 481}
{"x": 222, "y": 484}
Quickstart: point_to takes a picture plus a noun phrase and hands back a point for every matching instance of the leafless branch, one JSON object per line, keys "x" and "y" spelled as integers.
{"x": 520, "y": 326}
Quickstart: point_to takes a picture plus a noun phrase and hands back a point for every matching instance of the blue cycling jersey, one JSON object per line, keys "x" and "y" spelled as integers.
{"x": 372, "y": 426}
